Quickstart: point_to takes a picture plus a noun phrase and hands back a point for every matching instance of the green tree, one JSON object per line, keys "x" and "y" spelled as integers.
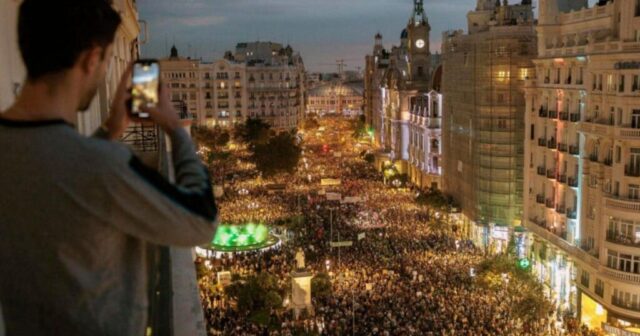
{"x": 280, "y": 154}
{"x": 360, "y": 128}
{"x": 256, "y": 296}
{"x": 253, "y": 132}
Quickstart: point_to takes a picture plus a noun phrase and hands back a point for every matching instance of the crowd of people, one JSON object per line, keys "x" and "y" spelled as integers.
{"x": 401, "y": 276}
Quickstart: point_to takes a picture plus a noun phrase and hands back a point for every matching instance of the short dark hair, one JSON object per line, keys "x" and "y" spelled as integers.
{"x": 52, "y": 34}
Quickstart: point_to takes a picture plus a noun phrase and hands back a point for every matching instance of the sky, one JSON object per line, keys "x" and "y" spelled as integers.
{"x": 321, "y": 30}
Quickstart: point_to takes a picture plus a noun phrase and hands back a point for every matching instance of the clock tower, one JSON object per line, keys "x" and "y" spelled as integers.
{"x": 418, "y": 30}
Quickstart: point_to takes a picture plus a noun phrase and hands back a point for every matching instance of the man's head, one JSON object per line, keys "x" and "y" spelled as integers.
{"x": 63, "y": 36}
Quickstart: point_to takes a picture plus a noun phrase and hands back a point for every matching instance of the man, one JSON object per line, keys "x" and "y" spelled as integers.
{"x": 77, "y": 213}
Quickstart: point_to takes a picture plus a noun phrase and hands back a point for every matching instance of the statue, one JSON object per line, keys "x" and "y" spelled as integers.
{"x": 300, "y": 259}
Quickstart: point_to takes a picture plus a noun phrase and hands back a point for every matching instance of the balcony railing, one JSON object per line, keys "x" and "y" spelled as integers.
{"x": 630, "y": 305}
{"x": 540, "y": 199}
{"x": 551, "y": 173}
{"x": 619, "y": 238}
{"x": 551, "y": 143}
{"x": 574, "y": 117}
{"x": 542, "y": 142}
{"x": 553, "y": 114}
{"x": 564, "y": 116}
{"x": 574, "y": 150}
{"x": 572, "y": 213}
{"x": 560, "y": 208}
{"x": 562, "y": 178}
{"x": 593, "y": 157}
{"x": 572, "y": 182}
{"x": 550, "y": 203}
{"x": 541, "y": 171}
{"x": 543, "y": 113}
{"x": 631, "y": 171}
{"x": 608, "y": 162}
{"x": 562, "y": 147}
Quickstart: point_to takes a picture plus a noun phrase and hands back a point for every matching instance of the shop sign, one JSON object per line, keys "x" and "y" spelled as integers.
{"x": 625, "y": 66}
{"x": 615, "y": 331}
{"x": 500, "y": 232}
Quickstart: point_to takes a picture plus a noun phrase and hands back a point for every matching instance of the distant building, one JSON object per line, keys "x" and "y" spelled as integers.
{"x": 260, "y": 80}
{"x": 483, "y": 124}
{"x": 398, "y": 91}
{"x": 336, "y": 98}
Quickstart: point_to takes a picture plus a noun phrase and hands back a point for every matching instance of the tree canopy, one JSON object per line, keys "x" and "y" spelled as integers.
{"x": 280, "y": 154}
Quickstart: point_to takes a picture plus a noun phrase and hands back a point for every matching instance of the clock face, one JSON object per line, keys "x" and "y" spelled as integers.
{"x": 420, "y": 43}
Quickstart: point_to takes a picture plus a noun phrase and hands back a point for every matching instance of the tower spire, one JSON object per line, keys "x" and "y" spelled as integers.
{"x": 418, "y": 16}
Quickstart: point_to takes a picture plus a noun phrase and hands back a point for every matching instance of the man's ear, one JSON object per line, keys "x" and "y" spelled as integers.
{"x": 90, "y": 59}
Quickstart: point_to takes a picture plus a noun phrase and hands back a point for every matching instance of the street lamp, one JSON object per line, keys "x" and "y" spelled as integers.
{"x": 243, "y": 192}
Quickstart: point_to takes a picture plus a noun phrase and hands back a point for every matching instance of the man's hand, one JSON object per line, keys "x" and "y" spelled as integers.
{"x": 164, "y": 114}
{"x": 118, "y": 120}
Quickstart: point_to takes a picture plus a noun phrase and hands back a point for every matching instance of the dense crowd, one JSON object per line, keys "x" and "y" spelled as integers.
{"x": 403, "y": 277}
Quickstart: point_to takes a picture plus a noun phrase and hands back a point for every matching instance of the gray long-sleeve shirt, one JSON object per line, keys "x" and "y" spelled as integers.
{"x": 76, "y": 215}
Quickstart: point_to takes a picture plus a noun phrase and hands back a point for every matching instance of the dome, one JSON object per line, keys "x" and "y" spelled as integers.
{"x": 327, "y": 90}
{"x": 405, "y": 34}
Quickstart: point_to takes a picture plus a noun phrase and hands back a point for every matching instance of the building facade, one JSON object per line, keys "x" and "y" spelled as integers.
{"x": 260, "y": 80}
{"x": 582, "y": 161}
{"x": 335, "y": 98}
{"x": 125, "y": 49}
{"x": 483, "y": 125}
{"x": 393, "y": 81}
{"x": 425, "y": 135}
{"x": 214, "y": 93}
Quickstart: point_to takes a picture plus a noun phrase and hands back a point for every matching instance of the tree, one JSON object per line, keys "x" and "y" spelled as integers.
{"x": 256, "y": 296}
{"x": 280, "y": 154}
{"x": 310, "y": 123}
{"x": 321, "y": 286}
{"x": 360, "y": 128}
{"x": 253, "y": 132}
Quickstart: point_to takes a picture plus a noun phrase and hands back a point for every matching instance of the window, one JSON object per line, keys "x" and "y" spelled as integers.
{"x": 612, "y": 259}
{"x": 584, "y": 278}
{"x": 634, "y": 191}
{"x": 420, "y": 71}
{"x": 635, "y": 119}
{"x": 599, "y": 289}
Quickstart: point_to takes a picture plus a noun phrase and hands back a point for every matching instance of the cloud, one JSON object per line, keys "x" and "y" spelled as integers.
{"x": 322, "y": 30}
{"x": 201, "y": 21}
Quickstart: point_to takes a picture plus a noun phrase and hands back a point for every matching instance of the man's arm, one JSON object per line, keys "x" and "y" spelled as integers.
{"x": 144, "y": 204}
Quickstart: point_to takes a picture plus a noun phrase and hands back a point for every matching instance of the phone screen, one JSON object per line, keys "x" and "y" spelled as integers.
{"x": 145, "y": 87}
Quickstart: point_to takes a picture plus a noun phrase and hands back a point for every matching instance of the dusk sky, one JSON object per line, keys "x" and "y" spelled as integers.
{"x": 322, "y": 30}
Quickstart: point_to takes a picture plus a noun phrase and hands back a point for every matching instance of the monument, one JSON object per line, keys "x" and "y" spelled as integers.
{"x": 300, "y": 286}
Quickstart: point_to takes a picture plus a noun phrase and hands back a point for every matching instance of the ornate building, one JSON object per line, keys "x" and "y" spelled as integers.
{"x": 393, "y": 80}
{"x": 582, "y": 161}
{"x": 336, "y": 98}
{"x": 483, "y": 125}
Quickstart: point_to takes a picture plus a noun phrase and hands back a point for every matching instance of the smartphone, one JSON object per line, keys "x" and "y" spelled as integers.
{"x": 145, "y": 86}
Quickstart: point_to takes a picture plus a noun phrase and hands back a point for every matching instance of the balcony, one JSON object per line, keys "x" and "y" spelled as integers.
{"x": 541, "y": 171}
{"x": 572, "y": 213}
{"x": 560, "y": 208}
{"x": 542, "y": 142}
{"x": 562, "y": 178}
{"x": 551, "y": 174}
{"x": 540, "y": 199}
{"x": 562, "y": 147}
{"x": 631, "y": 171}
{"x": 626, "y": 305}
{"x": 608, "y": 161}
{"x": 551, "y": 144}
{"x": 553, "y": 114}
{"x": 550, "y": 203}
{"x": 564, "y": 116}
{"x": 621, "y": 204}
{"x": 574, "y": 117}
{"x": 628, "y": 133}
{"x": 619, "y": 238}
{"x": 543, "y": 113}
{"x": 574, "y": 150}
{"x": 593, "y": 157}
{"x": 572, "y": 182}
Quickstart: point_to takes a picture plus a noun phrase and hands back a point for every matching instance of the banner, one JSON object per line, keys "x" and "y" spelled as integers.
{"x": 361, "y": 236}
{"x": 330, "y": 182}
{"x": 341, "y": 244}
{"x": 334, "y": 196}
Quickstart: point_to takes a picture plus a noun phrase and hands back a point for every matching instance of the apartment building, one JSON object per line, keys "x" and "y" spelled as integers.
{"x": 582, "y": 160}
